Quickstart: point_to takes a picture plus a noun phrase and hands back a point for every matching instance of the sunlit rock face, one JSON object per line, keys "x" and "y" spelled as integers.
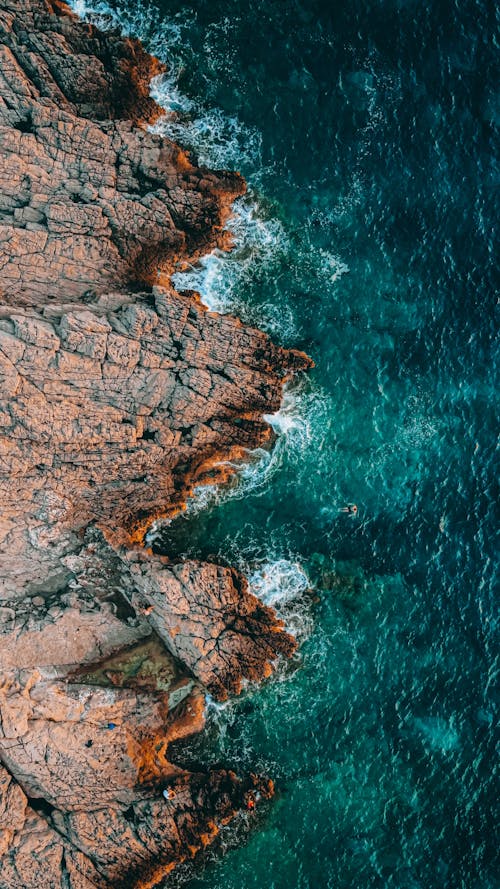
{"x": 117, "y": 396}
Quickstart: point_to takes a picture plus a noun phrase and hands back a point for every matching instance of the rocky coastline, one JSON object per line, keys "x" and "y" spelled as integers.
{"x": 118, "y": 396}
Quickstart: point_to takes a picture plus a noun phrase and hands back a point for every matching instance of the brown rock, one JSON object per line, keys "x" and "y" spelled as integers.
{"x": 117, "y": 396}
{"x": 32, "y": 853}
{"x": 209, "y": 619}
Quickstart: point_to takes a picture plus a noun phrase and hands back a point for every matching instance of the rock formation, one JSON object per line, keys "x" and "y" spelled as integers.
{"x": 117, "y": 396}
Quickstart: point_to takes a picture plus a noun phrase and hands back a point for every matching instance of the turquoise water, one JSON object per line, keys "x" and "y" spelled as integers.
{"x": 368, "y": 135}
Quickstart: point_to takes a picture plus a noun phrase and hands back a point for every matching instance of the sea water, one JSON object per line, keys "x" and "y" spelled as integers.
{"x": 367, "y": 132}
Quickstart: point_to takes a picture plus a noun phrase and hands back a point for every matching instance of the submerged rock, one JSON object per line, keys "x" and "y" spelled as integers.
{"x": 118, "y": 395}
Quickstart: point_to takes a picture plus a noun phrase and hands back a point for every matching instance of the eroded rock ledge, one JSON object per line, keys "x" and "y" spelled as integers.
{"x": 117, "y": 395}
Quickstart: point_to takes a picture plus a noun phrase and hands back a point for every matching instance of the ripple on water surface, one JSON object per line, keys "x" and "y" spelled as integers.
{"x": 367, "y": 134}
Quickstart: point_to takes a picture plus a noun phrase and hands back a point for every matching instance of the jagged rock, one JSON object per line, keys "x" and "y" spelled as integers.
{"x": 87, "y": 199}
{"x": 113, "y": 416}
{"x": 158, "y": 834}
{"x": 211, "y": 621}
{"x": 117, "y": 396}
{"x": 32, "y": 853}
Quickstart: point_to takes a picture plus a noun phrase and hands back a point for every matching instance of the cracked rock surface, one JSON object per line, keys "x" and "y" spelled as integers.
{"x": 117, "y": 396}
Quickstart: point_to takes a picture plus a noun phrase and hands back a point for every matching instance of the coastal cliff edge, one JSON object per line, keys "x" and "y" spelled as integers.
{"x": 117, "y": 396}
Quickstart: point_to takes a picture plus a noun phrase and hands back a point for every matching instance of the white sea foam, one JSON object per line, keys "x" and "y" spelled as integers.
{"x": 260, "y": 241}
{"x": 253, "y": 476}
{"x": 295, "y": 425}
{"x": 331, "y": 265}
{"x": 257, "y": 243}
{"x": 291, "y": 419}
{"x": 279, "y": 582}
{"x": 262, "y": 250}
{"x": 282, "y": 583}
{"x": 165, "y": 91}
{"x": 216, "y": 707}
{"x": 140, "y": 19}
{"x": 82, "y": 8}
{"x": 218, "y": 140}
{"x": 99, "y": 12}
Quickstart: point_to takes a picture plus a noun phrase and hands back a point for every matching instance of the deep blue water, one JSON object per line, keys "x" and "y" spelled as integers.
{"x": 368, "y": 134}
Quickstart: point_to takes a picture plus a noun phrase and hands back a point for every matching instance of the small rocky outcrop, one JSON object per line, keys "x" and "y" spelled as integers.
{"x": 117, "y": 396}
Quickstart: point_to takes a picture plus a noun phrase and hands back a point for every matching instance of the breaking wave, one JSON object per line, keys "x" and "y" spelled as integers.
{"x": 263, "y": 248}
{"x": 282, "y": 584}
{"x": 258, "y": 243}
{"x": 217, "y": 139}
